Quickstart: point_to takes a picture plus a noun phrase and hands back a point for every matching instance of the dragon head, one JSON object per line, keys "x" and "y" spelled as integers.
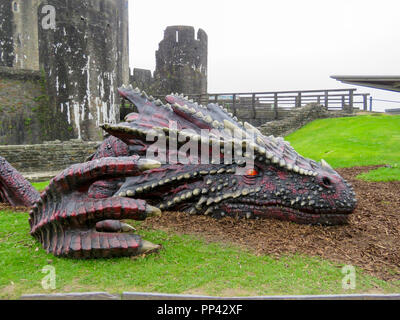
{"x": 213, "y": 164}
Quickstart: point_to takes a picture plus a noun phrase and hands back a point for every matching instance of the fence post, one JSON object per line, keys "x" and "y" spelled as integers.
{"x": 319, "y": 99}
{"x": 351, "y": 99}
{"x": 370, "y": 103}
{"x": 365, "y": 102}
{"x": 326, "y": 99}
{"x": 276, "y": 105}
{"x": 298, "y": 100}
{"x": 234, "y": 105}
{"x": 253, "y": 104}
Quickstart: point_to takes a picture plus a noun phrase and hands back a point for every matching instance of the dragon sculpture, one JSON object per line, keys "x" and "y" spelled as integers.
{"x": 131, "y": 176}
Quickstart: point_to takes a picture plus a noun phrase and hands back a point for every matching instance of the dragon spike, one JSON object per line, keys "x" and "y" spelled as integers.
{"x": 325, "y": 164}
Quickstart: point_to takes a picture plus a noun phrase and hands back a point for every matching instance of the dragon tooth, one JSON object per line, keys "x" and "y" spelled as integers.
{"x": 215, "y": 124}
{"x": 199, "y": 115}
{"x": 269, "y": 155}
{"x": 245, "y": 192}
{"x": 204, "y": 173}
{"x": 218, "y": 199}
{"x": 189, "y": 195}
{"x": 248, "y": 215}
{"x": 213, "y": 189}
{"x": 196, "y": 192}
{"x": 209, "y": 181}
{"x": 222, "y": 170}
{"x": 208, "y": 119}
{"x": 139, "y": 190}
{"x": 208, "y": 211}
{"x": 275, "y": 159}
{"x": 296, "y": 169}
{"x": 301, "y": 171}
{"x": 204, "y": 191}
{"x": 237, "y": 194}
{"x": 282, "y": 163}
{"x": 122, "y": 194}
{"x": 210, "y": 201}
{"x": 186, "y": 176}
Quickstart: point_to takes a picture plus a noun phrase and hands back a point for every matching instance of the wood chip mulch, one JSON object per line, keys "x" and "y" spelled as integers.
{"x": 371, "y": 240}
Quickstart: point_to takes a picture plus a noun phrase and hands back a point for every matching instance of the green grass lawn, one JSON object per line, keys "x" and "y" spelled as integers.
{"x": 184, "y": 265}
{"x": 353, "y": 141}
{"x": 40, "y": 186}
{"x": 190, "y": 265}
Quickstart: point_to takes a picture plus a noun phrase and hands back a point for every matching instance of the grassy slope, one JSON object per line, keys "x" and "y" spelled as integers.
{"x": 185, "y": 265}
{"x": 354, "y": 141}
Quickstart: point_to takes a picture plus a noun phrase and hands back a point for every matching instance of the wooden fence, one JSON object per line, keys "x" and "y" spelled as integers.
{"x": 260, "y": 107}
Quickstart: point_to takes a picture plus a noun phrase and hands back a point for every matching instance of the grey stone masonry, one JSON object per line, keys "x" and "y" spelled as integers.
{"x": 297, "y": 118}
{"x": 52, "y": 156}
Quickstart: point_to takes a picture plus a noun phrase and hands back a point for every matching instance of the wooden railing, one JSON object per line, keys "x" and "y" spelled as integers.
{"x": 275, "y": 104}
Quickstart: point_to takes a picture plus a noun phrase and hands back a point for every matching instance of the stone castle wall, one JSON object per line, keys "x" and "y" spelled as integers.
{"x": 296, "y": 118}
{"x": 24, "y": 108}
{"x": 54, "y": 156}
{"x": 82, "y": 60}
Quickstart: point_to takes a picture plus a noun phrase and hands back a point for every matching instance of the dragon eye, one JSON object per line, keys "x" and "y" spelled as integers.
{"x": 252, "y": 172}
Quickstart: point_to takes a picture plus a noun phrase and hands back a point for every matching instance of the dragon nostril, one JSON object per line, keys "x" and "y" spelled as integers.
{"x": 326, "y": 181}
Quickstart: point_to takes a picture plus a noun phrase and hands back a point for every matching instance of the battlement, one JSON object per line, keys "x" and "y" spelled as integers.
{"x": 182, "y": 34}
{"x": 182, "y": 61}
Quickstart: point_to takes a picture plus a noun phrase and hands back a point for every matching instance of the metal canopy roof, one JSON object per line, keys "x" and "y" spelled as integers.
{"x": 391, "y": 83}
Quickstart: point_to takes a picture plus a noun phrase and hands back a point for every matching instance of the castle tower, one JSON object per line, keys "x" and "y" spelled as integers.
{"x": 80, "y": 48}
{"x": 85, "y": 60}
{"x": 181, "y": 61}
{"x": 19, "y": 34}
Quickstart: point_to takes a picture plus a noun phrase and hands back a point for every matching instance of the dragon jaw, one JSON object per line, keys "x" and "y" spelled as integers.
{"x": 281, "y": 184}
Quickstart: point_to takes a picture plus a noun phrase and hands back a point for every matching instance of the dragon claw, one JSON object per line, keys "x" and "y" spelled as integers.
{"x": 153, "y": 211}
{"x": 148, "y": 164}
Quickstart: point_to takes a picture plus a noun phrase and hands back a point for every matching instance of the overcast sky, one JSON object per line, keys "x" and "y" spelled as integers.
{"x": 262, "y": 45}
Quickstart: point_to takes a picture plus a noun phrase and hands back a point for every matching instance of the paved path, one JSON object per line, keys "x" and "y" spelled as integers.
{"x": 40, "y": 176}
